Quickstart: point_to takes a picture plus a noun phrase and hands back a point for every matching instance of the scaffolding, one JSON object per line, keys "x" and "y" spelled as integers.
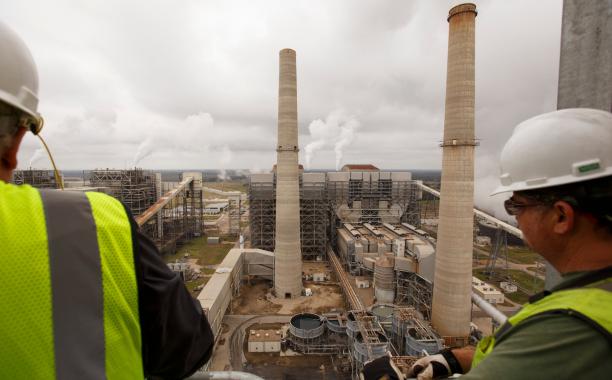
{"x": 136, "y": 188}
{"x": 329, "y": 199}
{"x": 413, "y": 290}
{"x": 40, "y": 179}
{"x": 180, "y": 220}
{"x": 313, "y": 217}
{"x": 234, "y": 212}
{"x": 262, "y": 213}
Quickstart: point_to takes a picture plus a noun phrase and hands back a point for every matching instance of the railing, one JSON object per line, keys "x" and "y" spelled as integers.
{"x": 489, "y": 309}
{"x": 223, "y": 375}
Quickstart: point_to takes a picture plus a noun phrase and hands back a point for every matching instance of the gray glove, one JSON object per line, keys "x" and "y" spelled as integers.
{"x": 438, "y": 366}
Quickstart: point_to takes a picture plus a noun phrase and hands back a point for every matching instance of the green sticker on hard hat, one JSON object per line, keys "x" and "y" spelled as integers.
{"x": 588, "y": 167}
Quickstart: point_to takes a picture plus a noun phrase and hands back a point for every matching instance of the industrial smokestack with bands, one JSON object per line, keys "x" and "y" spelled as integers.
{"x": 287, "y": 254}
{"x": 453, "y": 275}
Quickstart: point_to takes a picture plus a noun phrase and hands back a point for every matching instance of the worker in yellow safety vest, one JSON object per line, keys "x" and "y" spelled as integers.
{"x": 558, "y": 167}
{"x": 83, "y": 294}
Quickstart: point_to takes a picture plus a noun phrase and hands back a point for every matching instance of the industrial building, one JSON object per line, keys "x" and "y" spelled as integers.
{"x": 487, "y": 291}
{"x": 138, "y": 189}
{"x": 215, "y": 208}
{"x": 40, "y": 179}
{"x": 329, "y": 199}
{"x": 168, "y": 219}
{"x": 264, "y": 341}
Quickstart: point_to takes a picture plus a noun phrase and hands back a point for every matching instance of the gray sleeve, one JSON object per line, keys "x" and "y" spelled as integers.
{"x": 548, "y": 347}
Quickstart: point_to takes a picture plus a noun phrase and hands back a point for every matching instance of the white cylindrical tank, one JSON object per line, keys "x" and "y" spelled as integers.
{"x": 384, "y": 279}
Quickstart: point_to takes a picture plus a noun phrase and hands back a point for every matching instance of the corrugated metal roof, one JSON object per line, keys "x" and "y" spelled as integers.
{"x": 359, "y": 167}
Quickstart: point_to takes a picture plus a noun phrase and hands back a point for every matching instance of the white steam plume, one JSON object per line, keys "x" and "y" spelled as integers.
{"x": 225, "y": 157}
{"x": 38, "y": 154}
{"x": 144, "y": 150}
{"x": 337, "y": 131}
{"x": 486, "y": 179}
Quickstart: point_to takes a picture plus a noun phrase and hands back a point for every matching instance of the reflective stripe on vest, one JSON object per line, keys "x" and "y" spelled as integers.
{"x": 592, "y": 304}
{"x": 69, "y": 295}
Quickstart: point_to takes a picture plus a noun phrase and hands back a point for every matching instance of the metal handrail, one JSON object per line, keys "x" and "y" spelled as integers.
{"x": 223, "y": 375}
{"x": 489, "y": 309}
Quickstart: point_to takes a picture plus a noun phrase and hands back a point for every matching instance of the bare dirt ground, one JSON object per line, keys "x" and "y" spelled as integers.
{"x": 272, "y": 366}
{"x": 366, "y": 295}
{"x": 257, "y": 299}
{"x": 325, "y": 298}
{"x": 311, "y": 267}
{"x": 252, "y": 300}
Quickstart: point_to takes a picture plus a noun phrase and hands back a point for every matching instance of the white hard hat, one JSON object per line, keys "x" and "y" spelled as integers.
{"x": 18, "y": 77}
{"x": 557, "y": 148}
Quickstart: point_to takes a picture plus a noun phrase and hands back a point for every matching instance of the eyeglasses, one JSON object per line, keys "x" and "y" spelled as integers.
{"x": 514, "y": 208}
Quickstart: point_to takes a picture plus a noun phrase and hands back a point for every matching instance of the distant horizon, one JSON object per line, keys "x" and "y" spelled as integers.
{"x": 221, "y": 170}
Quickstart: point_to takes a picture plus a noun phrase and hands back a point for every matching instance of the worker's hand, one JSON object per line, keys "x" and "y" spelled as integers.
{"x": 437, "y": 366}
{"x": 381, "y": 368}
{"x": 430, "y": 367}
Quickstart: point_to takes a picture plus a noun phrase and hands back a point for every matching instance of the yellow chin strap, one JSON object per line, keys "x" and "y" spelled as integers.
{"x": 35, "y": 125}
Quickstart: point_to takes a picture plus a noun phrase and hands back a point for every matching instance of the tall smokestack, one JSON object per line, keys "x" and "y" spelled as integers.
{"x": 453, "y": 276}
{"x": 585, "y": 66}
{"x": 287, "y": 255}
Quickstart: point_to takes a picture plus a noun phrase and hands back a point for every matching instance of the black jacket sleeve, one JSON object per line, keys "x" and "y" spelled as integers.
{"x": 176, "y": 336}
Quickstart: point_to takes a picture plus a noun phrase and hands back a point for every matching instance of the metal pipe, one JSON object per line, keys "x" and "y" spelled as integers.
{"x": 501, "y": 224}
{"x": 164, "y": 200}
{"x": 489, "y": 309}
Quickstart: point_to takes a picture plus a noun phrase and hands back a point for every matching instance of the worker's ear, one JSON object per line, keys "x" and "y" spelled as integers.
{"x": 564, "y": 217}
{"x": 9, "y": 157}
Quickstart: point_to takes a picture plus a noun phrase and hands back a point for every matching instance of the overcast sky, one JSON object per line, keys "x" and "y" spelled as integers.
{"x": 193, "y": 84}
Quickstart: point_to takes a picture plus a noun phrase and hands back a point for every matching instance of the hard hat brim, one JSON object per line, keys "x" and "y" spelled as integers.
{"x": 558, "y": 181}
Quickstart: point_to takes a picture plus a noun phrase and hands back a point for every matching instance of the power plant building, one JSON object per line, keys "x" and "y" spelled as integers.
{"x": 327, "y": 200}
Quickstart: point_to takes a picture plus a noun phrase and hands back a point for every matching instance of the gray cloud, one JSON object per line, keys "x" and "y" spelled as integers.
{"x": 197, "y": 80}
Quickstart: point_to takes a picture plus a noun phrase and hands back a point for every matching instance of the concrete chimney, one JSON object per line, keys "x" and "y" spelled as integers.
{"x": 585, "y": 66}
{"x": 287, "y": 255}
{"x": 453, "y": 275}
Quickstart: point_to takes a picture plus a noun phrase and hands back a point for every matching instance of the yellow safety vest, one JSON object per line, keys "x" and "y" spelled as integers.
{"x": 68, "y": 292}
{"x": 592, "y": 304}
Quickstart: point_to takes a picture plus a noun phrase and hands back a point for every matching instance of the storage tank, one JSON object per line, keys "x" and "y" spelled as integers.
{"x": 384, "y": 313}
{"x": 384, "y": 280}
{"x": 306, "y": 326}
{"x": 336, "y": 324}
{"x": 361, "y": 352}
{"x": 412, "y": 334}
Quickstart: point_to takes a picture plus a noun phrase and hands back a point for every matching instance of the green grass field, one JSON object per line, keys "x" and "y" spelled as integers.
{"x": 524, "y": 281}
{"x": 228, "y": 186}
{"x": 522, "y": 255}
{"x": 199, "y": 249}
{"x": 205, "y": 254}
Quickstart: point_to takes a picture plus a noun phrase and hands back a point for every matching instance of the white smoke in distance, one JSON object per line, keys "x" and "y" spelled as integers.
{"x": 224, "y": 159}
{"x": 38, "y": 154}
{"x": 337, "y": 132}
{"x": 145, "y": 149}
{"x": 486, "y": 180}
